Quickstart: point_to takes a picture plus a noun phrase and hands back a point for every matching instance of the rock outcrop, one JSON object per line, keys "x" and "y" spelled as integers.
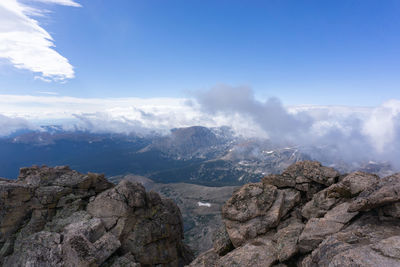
{"x": 59, "y": 217}
{"x": 310, "y": 216}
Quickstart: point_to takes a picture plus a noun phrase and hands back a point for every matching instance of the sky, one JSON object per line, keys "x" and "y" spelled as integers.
{"x": 303, "y": 71}
{"x": 344, "y": 52}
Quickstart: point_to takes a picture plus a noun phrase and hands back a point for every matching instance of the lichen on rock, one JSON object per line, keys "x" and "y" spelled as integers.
{"x": 311, "y": 216}
{"x": 59, "y": 217}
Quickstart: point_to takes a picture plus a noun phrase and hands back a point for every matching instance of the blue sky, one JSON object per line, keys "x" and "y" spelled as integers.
{"x": 136, "y": 66}
{"x": 303, "y": 52}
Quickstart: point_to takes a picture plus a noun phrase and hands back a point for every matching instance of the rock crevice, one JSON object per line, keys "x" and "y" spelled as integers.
{"x": 310, "y": 216}
{"x": 59, "y": 217}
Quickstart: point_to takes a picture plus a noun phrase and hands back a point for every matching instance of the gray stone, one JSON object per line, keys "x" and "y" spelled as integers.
{"x": 206, "y": 259}
{"x": 252, "y": 200}
{"x": 256, "y": 253}
{"x": 221, "y": 242}
{"x": 239, "y": 231}
{"x": 286, "y": 240}
{"x": 392, "y": 210}
{"x": 256, "y": 208}
{"x": 358, "y": 182}
{"x": 362, "y": 256}
{"x": 389, "y": 247}
{"x": 367, "y": 240}
{"x": 37, "y": 250}
{"x": 315, "y": 232}
{"x": 340, "y": 213}
{"x": 47, "y": 219}
{"x": 384, "y": 192}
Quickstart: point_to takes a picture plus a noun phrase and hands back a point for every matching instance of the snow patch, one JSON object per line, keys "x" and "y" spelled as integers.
{"x": 203, "y": 204}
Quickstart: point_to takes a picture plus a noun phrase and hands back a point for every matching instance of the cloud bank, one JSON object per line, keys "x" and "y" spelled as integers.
{"x": 159, "y": 114}
{"x": 27, "y": 45}
{"x": 347, "y": 133}
{"x": 270, "y": 115}
{"x": 10, "y": 125}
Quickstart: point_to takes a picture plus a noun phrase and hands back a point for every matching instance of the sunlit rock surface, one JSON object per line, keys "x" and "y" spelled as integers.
{"x": 310, "y": 216}
{"x": 59, "y": 217}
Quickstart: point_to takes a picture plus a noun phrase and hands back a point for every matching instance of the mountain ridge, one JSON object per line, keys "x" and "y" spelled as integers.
{"x": 207, "y": 156}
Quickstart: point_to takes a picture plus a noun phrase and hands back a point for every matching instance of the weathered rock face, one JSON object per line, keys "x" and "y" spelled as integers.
{"x": 306, "y": 176}
{"x": 382, "y": 193}
{"x": 59, "y": 217}
{"x": 310, "y": 216}
{"x": 256, "y": 208}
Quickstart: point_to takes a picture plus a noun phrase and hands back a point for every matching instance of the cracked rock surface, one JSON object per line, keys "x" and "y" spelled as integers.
{"x": 310, "y": 216}
{"x": 59, "y": 217}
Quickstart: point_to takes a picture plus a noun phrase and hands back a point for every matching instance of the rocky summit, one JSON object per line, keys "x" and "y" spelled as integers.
{"x": 59, "y": 217}
{"x": 308, "y": 216}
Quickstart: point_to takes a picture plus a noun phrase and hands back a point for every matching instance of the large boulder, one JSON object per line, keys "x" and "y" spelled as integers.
{"x": 358, "y": 182}
{"x": 59, "y": 217}
{"x": 13, "y": 209}
{"x": 206, "y": 259}
{"x": 317, "y": 229}
{"x": 222, "y": 244}
{"x": 311, "y": 216}
{"x": 306, "y": 176}
{"x": 385, "y": 191}
{"x": 286, "y": 240}
{"x": 148, "y": 227}
{"x": 366, "y": 242}
{"x": 349, "y": 187}
{"x": 257, "y": 253}
{"x": 256, "y": 208}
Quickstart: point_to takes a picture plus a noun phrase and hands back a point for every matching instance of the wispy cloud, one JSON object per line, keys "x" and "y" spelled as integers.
{"x": 60, "y": 2}
{"x": 27, "y": 45}
{"x": 43, "y": 79}
{"x": 47, "y": 93}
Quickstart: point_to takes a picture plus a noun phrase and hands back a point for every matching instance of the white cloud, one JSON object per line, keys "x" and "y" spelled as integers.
{"x": 43, "y": 79}
{"x": 47, "y": 93}
{"x": 12, "y": 124}
{"x": 60, "y": 2}
{"x": 355, "y": 131}
{"x": 382, "y": 126}
{"x": 27, "y": 45}
{"x": 121, "y": 114}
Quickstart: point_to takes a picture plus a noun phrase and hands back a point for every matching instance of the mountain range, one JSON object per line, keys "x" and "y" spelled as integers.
{"x": 197, "y": 155}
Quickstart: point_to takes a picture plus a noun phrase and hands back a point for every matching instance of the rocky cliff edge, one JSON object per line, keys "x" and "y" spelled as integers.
{"x": 59, "y": 217}
{"x": 308, "y": 216}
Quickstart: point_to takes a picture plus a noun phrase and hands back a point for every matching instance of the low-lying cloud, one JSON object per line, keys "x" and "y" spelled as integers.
{"x": 270, "y": 115}
{"x": 27, "y": 45}
{"x": 10, "y": 125}
{"x": 350, "y": 133}
{"x": 383, "y": 126}
{"x": 347, "y": 133}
